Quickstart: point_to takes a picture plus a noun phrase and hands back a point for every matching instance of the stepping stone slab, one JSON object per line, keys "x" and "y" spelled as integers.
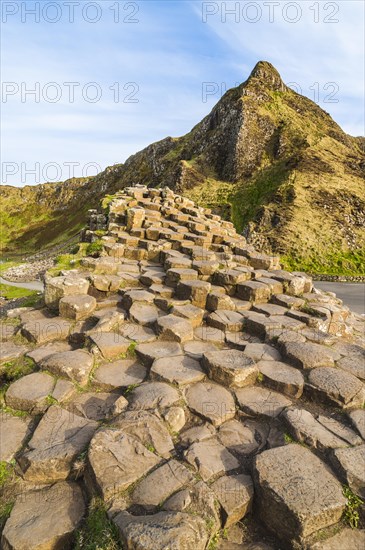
{"x": 59, "y": 438}
{"x": 162, "y": 531}
{"x": 235, "y": 495}
{"x": 177, "y": 329}
{"x": 211, "y": 401}
{"x": 355, "y": 364}
{"x": 137, "y": 333}
{"x": 226, "y": 320}
{"x": 262, "y": 402}
{"x": 58, "y": 287}
{"x": 30, "y": 393}
{"x": 196, "y": 291}
{"x": 120, "y": 374}
{"x": 117, "y": 460}
{"x": 197, "y": 433}
{"x": 160, "y": 484}
{"x": 45, "y": 519}
{"x": 97, "y": 406}
{"x": 336, "y": 386}
{"x": 110, "y": 344}
{"x": 230, "y": 368}
{"x": 46, "y": 330}
{"x": 147, "y": 353}
{"x": 46, "y": 350}
{"x": 144, "y": 314}
{"x": 209, "y": 334}
{"x": 77, "y": 307}
{"x": 210, "y": 458}
{"x": 296, "y": 492}
{"x": 196, "y": 348}
{"x": 242, "y": 438}
{"x": 305, "y": 428}
{"x": 253, "y": 291}
{"x": 350, "y": 463}
{"x": 281, "y": 377}
{"x": 178, "y": 370}
{"x": 10, "y": 351}
{"x": 133, "y": 296}
{"x": 152, "y": 395}
{"x": 13, "y": 432}
{"x": 308, "y": 355}
{"x": 358, "y": 421}
{"x": 340, "y": 430}
{"x": 347, "y": 538}
{"x": 148, "y": 429}
{"x": 74, "y": 365}
{"x": 262, "y": 352}
{"x": 191, "y": 313}
{"x": 219, "y": 301}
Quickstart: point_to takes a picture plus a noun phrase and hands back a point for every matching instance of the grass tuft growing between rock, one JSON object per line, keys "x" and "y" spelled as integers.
{"x": 98, "y": 532}
{"x": 351, "y": 515}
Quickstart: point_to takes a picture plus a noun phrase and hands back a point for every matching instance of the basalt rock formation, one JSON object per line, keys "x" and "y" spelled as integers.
{"x": 266, "y": 158}
{"x": 189, "y": 382}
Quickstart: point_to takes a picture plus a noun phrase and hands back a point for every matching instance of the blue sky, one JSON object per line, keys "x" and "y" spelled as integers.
{"x": 139, "y": 70}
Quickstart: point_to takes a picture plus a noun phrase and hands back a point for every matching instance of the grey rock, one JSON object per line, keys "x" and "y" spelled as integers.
{"x": 336, "y": 386}
{"x": 77, "y": 306}
{"x": 235, "y": 495}
{"x": 350, "y": 464}
{"x": 42, "y": 331}
{"x": 262, "y": 402}
{"x": 347, "y": 538}
{"x": 97, "y": 406}
{"x": 74, "y": 365}
{"x": 357, "y": 418}
{"x": 30, "y": 392}
{"x": 281, "y": 377}
{"x": 14, "y": 431}
{"x": 110, "y": 344}
{"x": 211, "y": 401}
{"x": 178, "y": 370}
{"x": 120, "y": 374}
{"x": 230, "y": 368}
{"x": 210, "y": 458}
{"x": 151, "y": 351}
{"x": 152, "y": 395}
{"x": 308, "y": 355}
{"x": 177, "y": 329}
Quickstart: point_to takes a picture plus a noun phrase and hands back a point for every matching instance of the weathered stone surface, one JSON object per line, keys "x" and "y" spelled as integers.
{"x": 358, "y": 420}
{"x": 305, "y": 428}
{"x": 175, "y": 418}
{"x": 110, "y": 344}
{"x": 235, "y": 494}
{"x": 218, "y": 300}
{"x": 154, "y": 350}
{"x": 13, "y": 432}
{"x": 46, "y": 330}
{"x": 211, "y": 458}
{"x": 345, "y": 433}
{"x": 197, "y": 348}
{"x": 63, "y": 390}
{"x": 354, "y": 364}
{"x": 144, "y": 314}
{"x": 196, "y": 291}
{"x": 120, "y": 374}
{"x": 75, "y": 365}
{"x": 350, "y": 464}
{"x": 77, "y": 306}
{"x": 244, "y": 438}
{"x": 30, "y": 392}
{"x": 154, "y": 489}
{"x": 97, "y": 406}
{"x": 347, "y": 538}
{"x": 175, "y": 531}
{"x": 308, "y": 355}
{"x": 226, "y": 320}
{"x": 171, "y": 327}
{"x": 178, "y": 370}
{"x": 189, "y": 312}
{"x": 117, "y": 460}
{"x": 260, "y": 401}
{"x": 45, "y": 519}
{"x": 148, "y": 429}
{"x": 197, "y": 433}
{"x": 209, "y": 334}
{"x": 336, "y": 386}
{"x": 254, "y": 291}
{"x": 46, "y": 350}
{"x": 211, "y": 401}
{"x": 137, "y": 333}
{"x": 230, "y": 368}
{"x": 58, "y": 287}
{"x": 59, "y": 438}
{"x": 152, "y": 395}
{"x": 281, "y": 377}
{"x": 297, "y": 494}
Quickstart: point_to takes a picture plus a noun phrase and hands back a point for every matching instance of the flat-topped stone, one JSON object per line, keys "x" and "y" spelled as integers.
{"x": 211, "y": 458}
{"x": 13, "y": 432}
{"x": 235, "y": 495}
{"x": 46, "y": 350}
{"x": 281, "y": 377}
{"x": 350, "y": 463}
{"x": 152, "y": 395}
{"x": 172, "y": 327}
{"x": 230, "y": 368}
{"x": 59, "y": 438}
{"x": 77, "y": 306}
{"x": 308, "y": 355}
{"x": 196, "y": 348}
{"x": 347, "y": 538}
{"x": 211, "y": 401}
{"x": 261, "y": 401}
{"x": 154, "y": 350}
{"x": 120, "y": 374}
{"x": 30, "y": 393}
{"x": 261, "y": 352}
{"x": 74, "y": 365}
{"x": 144, "y": 314}
{"x": 243, "y": 438}
{"x": 46, "y": 518}
{"x": 357, "y": 418}
{"x": 97, "y": 406}
{"x": 110, "y": 344}
{"x": 336, "y": 386}
{"x": 297, "y": 494}
{"x": 46, "y": 330}
{"x": 179, "y": 370}
{"x": 226, "y": 320}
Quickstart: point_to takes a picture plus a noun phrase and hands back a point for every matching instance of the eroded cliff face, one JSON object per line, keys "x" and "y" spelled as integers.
{"x": 267, "y": 158}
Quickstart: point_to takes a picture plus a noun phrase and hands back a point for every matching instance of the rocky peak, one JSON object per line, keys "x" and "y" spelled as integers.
{"x": 268, "y": 75}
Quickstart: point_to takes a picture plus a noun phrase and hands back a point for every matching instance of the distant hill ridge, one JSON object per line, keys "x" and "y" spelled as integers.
{"x": 267, "y": 158}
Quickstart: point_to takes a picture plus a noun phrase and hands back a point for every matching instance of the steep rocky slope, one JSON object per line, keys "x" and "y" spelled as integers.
{"x": 181, "y": 391}
{"x": 267, "y": 158}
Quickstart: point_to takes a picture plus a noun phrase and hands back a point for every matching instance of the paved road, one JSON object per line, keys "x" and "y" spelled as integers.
{"x": 33, "y": 285}
{"x": 352, "y": 294}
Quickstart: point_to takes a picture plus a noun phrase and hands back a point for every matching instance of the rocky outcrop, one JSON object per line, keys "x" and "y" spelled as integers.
{"x": 188, "y": 382}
